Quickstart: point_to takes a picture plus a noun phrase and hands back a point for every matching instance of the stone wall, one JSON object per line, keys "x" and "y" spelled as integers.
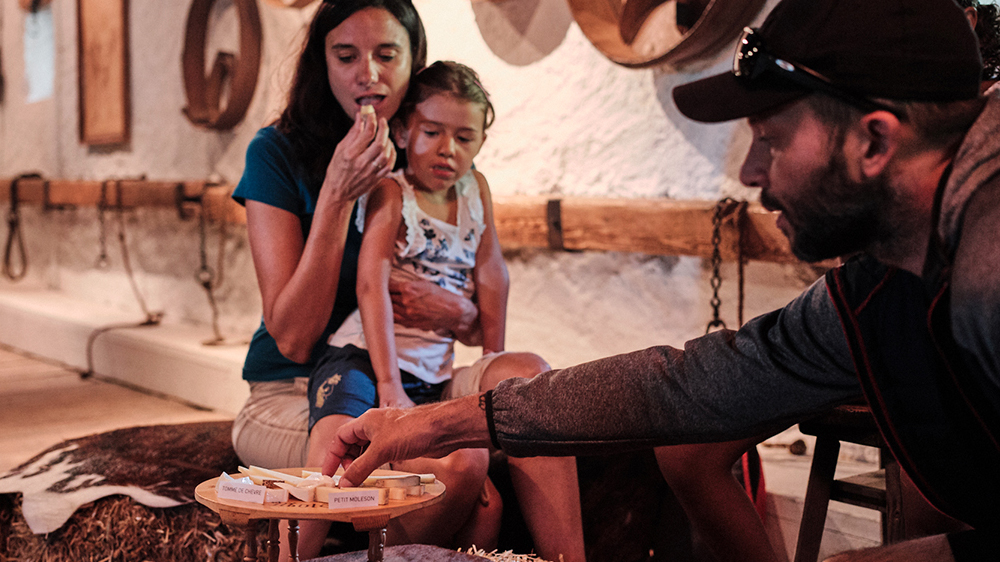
{"x": 569, "y": 122}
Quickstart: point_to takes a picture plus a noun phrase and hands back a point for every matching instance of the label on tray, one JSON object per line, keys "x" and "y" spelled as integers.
{"x": 354, "y": 498}
{"x": 240, "y": 492}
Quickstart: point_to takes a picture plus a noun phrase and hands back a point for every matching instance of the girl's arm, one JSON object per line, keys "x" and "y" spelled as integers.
{"x": 492, "y": 281}
{"x": 298, "y": 277}
{"x": 384, "y": 215}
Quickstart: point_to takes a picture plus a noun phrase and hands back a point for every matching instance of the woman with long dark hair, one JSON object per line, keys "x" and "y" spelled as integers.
{"x": 302, "y": 177}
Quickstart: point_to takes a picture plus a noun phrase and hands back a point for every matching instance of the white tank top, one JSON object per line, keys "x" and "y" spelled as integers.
{"x": 436, "y": 251}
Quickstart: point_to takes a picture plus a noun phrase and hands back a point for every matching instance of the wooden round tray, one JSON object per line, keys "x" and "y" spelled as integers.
{"x": 238, "y": 512}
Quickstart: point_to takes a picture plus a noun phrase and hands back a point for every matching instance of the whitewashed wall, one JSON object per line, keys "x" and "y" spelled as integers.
{"x": 568, "y": 122}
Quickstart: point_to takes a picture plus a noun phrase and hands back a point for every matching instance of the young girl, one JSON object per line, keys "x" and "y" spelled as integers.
{"x": 433, "y": 220}
{"x": 430, "y": 220}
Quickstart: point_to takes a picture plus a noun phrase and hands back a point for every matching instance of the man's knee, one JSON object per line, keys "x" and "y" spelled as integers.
{"x": 521, "y": 364}
{"x": 699, "y": 462}
{"x": 465, "y": 467}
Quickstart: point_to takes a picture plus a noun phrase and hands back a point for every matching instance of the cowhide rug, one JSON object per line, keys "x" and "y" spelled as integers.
{"x": 157, "y": 466}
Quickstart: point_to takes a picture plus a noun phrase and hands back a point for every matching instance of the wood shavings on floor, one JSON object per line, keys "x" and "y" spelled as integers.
{"x": 116, "y": 528}
{"x": 507, "y": 556}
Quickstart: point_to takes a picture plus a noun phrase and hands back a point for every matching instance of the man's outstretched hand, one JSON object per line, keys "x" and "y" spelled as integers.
{"x": 391, "y": 434}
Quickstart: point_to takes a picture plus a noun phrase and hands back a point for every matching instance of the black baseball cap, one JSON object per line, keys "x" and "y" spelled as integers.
{"x": 907, "y": 50}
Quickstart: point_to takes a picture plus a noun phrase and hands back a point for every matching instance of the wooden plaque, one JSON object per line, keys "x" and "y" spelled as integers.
{"x": 102, "y": 37}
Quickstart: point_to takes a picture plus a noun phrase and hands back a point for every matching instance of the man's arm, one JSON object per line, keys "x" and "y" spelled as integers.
{"x": 775, "y": 370}
{"x": 390, "y": 434}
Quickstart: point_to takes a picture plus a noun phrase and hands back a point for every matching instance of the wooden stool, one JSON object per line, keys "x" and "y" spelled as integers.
{"x": 879, "y": 490}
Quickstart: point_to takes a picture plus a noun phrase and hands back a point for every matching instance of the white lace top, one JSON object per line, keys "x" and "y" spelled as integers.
{"x": 436, "y": 251}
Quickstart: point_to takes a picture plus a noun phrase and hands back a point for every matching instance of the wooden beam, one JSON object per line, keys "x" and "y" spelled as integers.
{"x": 649, "y": 226}
{"x": 128, "y": 194}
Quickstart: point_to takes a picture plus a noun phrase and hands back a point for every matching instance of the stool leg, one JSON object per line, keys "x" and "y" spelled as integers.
{"x": 893, "y": 524}
{"x": 824, "y": 465}
{"x": 293, "y": 540}
{"x": 376, "y": 545}
{"x": 250, "y": 553}
{"x": 272, "y": 541}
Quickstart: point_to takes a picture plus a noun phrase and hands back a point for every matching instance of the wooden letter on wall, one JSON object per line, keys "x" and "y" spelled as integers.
{"x": 204, "y": 92}
{"x": 102, "y": 37}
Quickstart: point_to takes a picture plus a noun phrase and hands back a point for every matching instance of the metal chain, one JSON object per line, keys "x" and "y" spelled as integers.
{"x": 716, "y": 282}
{"x": 212, "y": 280}
{"x": 152, "y": 318}
{"x": 206, "y": 277}
{"x": 725, "y": 207}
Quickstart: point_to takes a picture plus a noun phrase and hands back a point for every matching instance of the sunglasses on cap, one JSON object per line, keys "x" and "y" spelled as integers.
{"x": 752, "y": 60}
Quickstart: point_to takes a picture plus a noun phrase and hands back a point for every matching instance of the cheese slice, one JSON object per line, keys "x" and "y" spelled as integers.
{"x": 256, "y": 471}
{"x": 400, "y": 480}
{"x": 301, "y": 493}
{"x": 276, "y": 495}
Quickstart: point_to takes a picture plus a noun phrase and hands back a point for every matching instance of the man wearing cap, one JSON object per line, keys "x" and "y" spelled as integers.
{"x": 871, "y": 140}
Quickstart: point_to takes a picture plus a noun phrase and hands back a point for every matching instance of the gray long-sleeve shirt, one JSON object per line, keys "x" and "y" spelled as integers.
{"x": 773, "y": 371}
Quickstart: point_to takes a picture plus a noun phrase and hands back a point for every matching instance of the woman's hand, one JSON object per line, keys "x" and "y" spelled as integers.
{"x": 363, "y": 157}
{"x": 392, "y": 395}
{"x": 423, "y": 305}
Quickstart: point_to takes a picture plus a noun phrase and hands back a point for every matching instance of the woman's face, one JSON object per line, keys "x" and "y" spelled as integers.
{"x": 368, "y": 62}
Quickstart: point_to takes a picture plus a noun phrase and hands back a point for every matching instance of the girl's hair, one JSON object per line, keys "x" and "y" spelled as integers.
{"x": 313, "y": 120}
{"x": 988, "y": 32}
{"x": 446, "y": 77}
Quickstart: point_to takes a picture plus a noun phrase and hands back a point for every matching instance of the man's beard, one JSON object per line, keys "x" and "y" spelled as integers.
{"x": 834, "y": 215}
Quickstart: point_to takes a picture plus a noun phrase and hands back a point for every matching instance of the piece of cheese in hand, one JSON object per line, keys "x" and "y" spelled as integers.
{"x": 367, "y": 109}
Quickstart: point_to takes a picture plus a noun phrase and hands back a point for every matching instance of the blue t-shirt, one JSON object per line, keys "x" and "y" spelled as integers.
{"x": 272, "y": 176}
